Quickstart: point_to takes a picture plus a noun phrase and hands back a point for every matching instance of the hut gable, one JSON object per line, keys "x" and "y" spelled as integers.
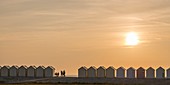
{"x": 22, "y": 71}
{"x": 121, "y": 72}
{"x": 31, "y": 71}
{"x": 40, "y": 71}
{"x": 5, "y": 71}
{"x": 13, "y": 71}
{"x": 168, "y": 73}
{"x": 131, "y": 72}
{"x": 141, "y": 72}
{"x": 92, "y": 72}
{"x": 49, "y": 71}
{"x": 101, "y": 71}
{"x": 160, "y": 72}
{"x": 110, "y": 72}
{"x": 150, "y": 73}
{"x": 82, "y": 72}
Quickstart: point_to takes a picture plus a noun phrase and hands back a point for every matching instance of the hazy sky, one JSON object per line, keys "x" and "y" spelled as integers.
{"x": 68, "y": 34}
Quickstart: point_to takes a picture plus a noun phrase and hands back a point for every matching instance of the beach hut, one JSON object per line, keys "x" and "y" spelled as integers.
{"x": 140, "y": 72}
{"x": 168, "y": 73}
{"x": 150, "y": 73}
{"x": 22, "y": 71}
{"x": 49, "y": 71}
{"x": 131, "y": 72}
{"x": 160, "y": 72}
{"x": 82, "y": 72}
{"x": 92, "y": 72}
{"x": 31, "y": 71}
{"x": 110, "y": 72}
{"x": 120, "y": 72}
{"x": 5, "y": 71}
{"x": 40, "y": 71}
{"x": 13, "y": 71}
{"x": 101, "y": 71}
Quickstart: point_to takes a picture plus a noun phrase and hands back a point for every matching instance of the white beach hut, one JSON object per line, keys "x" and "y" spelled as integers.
{"x": 5, "y": 71}
{"x": 131, "y": 72}
{"x": 120, "y": 72}
{"x": 110, "y": 72}
{"x": 31, "y": 71}
{"x": 101, "y": 71}
{"x": 82, "y": 72}
{"x": 150, "y": 73}
{"x": 160, "y": 72}
{"x": 49, "y": 71}
{"x": 168, "y": 73}
{"x": 92, "y": 72}
{"x": 13, "y": 71}
{"x": 22, "y": 71}
{"x": 40, "y": 71}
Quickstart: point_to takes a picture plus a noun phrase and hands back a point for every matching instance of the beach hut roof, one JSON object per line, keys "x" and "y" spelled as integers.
{"x": 140, "y": 68}
{"x": 131, "y": 68}
{"x": 168, "y": 69}
{"x": 51, "y": 67}
{"x": 32, "y": 67}
{"x": 41, "y": 67}
{"x": 150, "y": 68}
{"x": 111, "y": 67}
{"x": 6, "y": 67}
{"x": 101, "y": 67}
{"x": 83, "y": 67}
{"x": 122, "y": 68}
{"x": 93, "y": 67}
{"x": 14, "y": 66}
{"x": 23, "y": 66}
{"x": 160, "y": 68}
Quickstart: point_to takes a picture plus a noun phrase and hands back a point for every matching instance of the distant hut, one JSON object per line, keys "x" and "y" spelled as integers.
{"x": 92, "y": 72}
{"x": 5, "y": 71}
{"x": 82, "y": 72}
{"x": 160, "y": 72}
{"x": 22, "y": 71}
{"x": 150, "y": 73}
{"x": 110, "y": 72}
{"x": 13, "y": 71}
{"x": 121, "y": 72}
{"x": 31, "y": 71}
{"x": 49, "y": 71}
{"x": 131, "y": 72}
{"x": 101, "y": 71}
{"x": 168, "y": 73}
{"x": 40, "y": 71}
{"x": 140, "y": 72}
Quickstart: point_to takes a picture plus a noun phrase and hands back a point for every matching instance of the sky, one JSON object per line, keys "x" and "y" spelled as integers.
{"x": 68, "y": 34}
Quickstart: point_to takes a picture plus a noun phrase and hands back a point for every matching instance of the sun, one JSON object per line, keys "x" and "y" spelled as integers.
{"x": 132, "y": 39}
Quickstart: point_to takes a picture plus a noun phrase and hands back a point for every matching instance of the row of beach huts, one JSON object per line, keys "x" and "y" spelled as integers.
{"x": 121, "y": 72}
{"x": 24, "y": 71}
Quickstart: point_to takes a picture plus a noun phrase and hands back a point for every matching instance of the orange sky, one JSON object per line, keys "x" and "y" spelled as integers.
{"x": 68, "y": 34}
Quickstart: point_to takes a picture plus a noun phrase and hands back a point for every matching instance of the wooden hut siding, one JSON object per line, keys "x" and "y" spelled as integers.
{"x": 13, "y": 71}
{"x": 0, "y": 71}
{"x": 22, "y": 71}
{"x": 168, "y": 73}
{"x": 5, "y": 71}
{"x": 92, "y": 72}
{"x": 101, "y": 71}
{"x": 110, "y": 72}
{"x": 160, "y": 73}
{"x": 131, "y": 72}
{"x": 120, "y": 72}
{"x": 82, "y": 72}
{"x": 140, "y": 72}
{"x": 49, "y": 71}
{"x": 40, "y": 71}
{"x": 31, "y": 71}
{"x": 150, "y": 73}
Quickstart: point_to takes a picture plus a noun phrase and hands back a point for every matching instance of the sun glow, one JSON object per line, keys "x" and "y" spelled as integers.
{"x": 132, "y": 39}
